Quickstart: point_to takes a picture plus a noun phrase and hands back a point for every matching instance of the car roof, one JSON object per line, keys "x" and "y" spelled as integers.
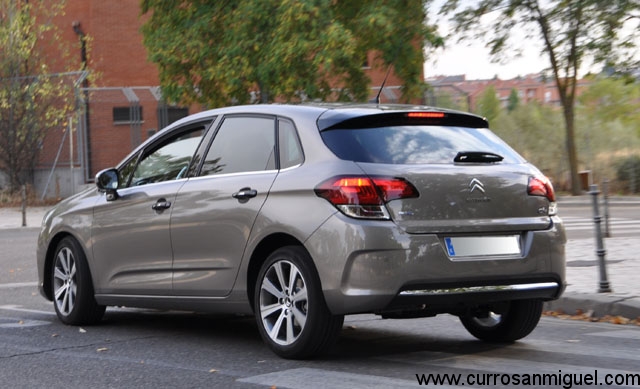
{"x": 342, "y": 114}
{"x": 328, "y": 115}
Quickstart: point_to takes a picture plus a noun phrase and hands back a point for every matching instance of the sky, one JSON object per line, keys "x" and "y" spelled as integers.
{"x": 473, "y": 61}
{"x": 472, "y": 58}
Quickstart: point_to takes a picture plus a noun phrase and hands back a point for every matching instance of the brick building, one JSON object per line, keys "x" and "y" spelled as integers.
{"x": 122, "y": 105}
{"x": 532, "y": 87}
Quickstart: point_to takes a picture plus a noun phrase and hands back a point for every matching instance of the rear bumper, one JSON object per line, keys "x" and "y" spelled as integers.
{"x": 376, "y": 267}
{"x": 457, "y": 299}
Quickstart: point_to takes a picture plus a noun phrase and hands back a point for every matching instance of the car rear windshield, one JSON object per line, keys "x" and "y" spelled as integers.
{"x": 414, "y": 144}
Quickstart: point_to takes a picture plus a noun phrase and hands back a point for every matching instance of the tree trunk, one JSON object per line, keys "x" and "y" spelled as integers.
{"x": 569, "y": 120}
{"x": 264, "y": 93}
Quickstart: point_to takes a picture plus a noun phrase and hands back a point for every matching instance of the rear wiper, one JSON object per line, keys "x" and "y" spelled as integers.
{"x": 477, "y": 156}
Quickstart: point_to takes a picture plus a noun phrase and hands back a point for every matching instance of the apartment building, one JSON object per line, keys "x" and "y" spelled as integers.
{"x": 530, "y": 88}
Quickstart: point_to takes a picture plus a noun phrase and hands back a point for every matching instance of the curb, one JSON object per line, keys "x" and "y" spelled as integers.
{"x": 599, "y": 304}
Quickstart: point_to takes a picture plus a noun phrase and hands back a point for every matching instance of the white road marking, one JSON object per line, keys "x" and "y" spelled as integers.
{"x": 18, "y": 285}
{"x": 18, "y": 308}
{"x": 318, "y": 378}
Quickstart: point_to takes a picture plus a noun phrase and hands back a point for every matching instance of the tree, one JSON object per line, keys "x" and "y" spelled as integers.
{"x": 445, "y": 97}
{"x": 571, "y": 31}
{"x": 608, "y": 99}
{"x": 488, "y": 104}
{"x": 513, "y": 101}
{"x": 532, "y": 130}
{"x": 609, "y": 122}
{"x": 219, "y": 52}
{"x": 31, "y": 100}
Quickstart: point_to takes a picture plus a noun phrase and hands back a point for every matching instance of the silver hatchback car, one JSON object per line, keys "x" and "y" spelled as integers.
{"x": 303, "y": 214}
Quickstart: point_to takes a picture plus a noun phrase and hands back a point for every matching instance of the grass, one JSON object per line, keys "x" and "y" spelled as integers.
{"x": 10, "y": 199}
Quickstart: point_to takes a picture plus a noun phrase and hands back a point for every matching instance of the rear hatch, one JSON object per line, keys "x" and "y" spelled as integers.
{"x": 465, "y": 198}
{"x": 468, "y": 181}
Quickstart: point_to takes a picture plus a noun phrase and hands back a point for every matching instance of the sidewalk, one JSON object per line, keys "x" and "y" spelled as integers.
{"x": 12, "y": 217}
{"x": 622, "y": 266}
{"x": 622, "y": 257}
{"x": 583, "y": 274}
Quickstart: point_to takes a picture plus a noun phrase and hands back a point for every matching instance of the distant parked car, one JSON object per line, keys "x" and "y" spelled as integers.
{"x": 303, "y": 214}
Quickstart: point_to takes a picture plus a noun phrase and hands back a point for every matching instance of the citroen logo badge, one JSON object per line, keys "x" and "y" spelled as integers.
{"x": 474, "y": 185}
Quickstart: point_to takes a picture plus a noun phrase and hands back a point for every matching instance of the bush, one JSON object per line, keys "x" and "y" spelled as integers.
{"x": 628, "y": 171}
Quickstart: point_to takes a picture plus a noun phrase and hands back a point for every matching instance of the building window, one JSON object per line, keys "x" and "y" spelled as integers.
{"x": 176, "y": 113}
{"x": 365, "y": 62}
{"x": 126, "y": 115}
{"x": 168, "y": 114}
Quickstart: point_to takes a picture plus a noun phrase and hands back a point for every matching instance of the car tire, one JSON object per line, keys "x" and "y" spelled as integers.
{"x": 292, "y": 316}
{"x": 73, "y": 296}
{"x": 517, "y": 321}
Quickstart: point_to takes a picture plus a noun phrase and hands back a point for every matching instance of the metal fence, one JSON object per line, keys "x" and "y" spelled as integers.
{"x": 109, "y": 122}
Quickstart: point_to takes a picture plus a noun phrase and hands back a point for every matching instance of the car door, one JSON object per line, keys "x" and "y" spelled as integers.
{"x": 214, "y": 213}
{"x": 130, "y": 235}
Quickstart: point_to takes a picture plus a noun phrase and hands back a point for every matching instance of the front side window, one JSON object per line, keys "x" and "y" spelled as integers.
{"x": 126, "y": 171}
{"x": 169, "y": 161}
{"x": 242, "y": 144}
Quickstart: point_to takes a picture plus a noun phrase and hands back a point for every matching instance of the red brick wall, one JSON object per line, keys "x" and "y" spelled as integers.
{"x": 113, "y": 141}
{"x": 118, "y": 59}
{"x": 117, "y": 55}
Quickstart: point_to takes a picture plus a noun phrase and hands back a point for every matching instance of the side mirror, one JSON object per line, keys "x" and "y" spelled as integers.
{"x": 107, "y": 181}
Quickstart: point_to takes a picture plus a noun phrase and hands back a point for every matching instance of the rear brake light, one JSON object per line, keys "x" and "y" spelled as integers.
{"x": 430, "y": 115}
{"x": 395, "y": 188}
{"x": 541, "y": 186}
{"x": 364, "y": 197}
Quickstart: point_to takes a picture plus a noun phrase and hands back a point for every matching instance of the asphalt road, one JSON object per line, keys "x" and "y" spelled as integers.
{"x": 152, "y": 349}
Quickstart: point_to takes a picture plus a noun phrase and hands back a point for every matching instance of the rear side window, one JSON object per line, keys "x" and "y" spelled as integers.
{"x": 290, "y": 150}
{"x": 414, "y": 144}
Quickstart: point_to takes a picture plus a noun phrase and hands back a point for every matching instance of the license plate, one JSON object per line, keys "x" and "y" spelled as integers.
{"x": 470, "y": 246}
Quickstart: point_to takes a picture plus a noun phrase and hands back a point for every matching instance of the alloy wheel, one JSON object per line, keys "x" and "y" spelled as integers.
{"x": 283, "y": 302}
{"x": 491, "y": 320}
{"x": 64, "y": 281}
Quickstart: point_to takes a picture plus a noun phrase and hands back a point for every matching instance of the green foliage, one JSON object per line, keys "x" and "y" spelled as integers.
{"x": 513, "y": 101}
{"x": 628, "y": 171}
{"x": 31, "y": 101}
{"x": 534, "y": 131}
{"x": 488, "y": 104}
{"x": 607, "y": 136}
{"x": 611, "y": 98}
{"x": 218, "y": 53}
{"x": 447, "y": 98}
{"x": 570, "y": 32}
{"x": 608, "y": 124}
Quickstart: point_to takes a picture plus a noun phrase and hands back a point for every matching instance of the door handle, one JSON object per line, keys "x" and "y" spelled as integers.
{"x": 245, "y": 194}
{"x": 161, "y": 205}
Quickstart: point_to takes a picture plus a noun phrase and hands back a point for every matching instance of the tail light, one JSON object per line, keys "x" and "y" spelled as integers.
{"x": 365, "y": 197}
{"x": 426, "y": 115}
{"x": 541, "y": 186}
